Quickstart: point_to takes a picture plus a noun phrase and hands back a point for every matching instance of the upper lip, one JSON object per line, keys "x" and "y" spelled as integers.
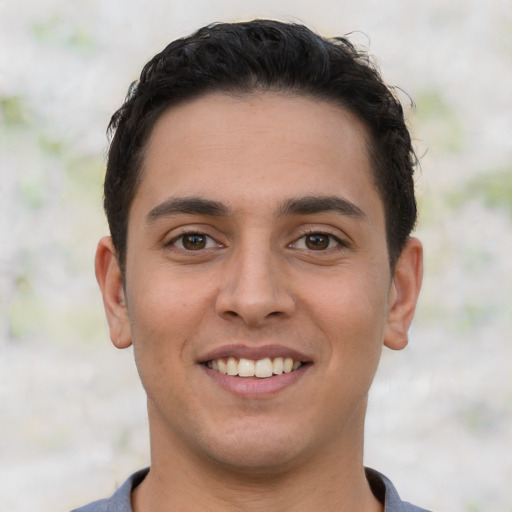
{"x": 254, "y": 353}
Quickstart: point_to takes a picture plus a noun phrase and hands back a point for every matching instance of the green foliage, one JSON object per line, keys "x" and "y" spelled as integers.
{"x": 439, "y": 119}
{"x": 30, "y": 316}
{"x": 431, "y": 312}
{"x": 84, "y": 179}
{"x": 473, "y": 315}
{"x": 26, "y": 310}
{"x": 33, "y": 194}
{"x": 76, "y": 178}
{"x": 46, "y": 30}
{"x": 430, "y": 104}
{"x": 51, "y": 147}
{"x": 13, "y": 111}
{"x": 55, "y": 30}
{"x": 431, "y": 208}
{"x": 493, "y": 188}
{"x": 476, "y": 417}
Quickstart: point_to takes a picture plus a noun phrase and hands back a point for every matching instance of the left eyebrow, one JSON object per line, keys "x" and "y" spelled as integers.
{"x": 187, "y": 205}
{"x": 318, "y": 204}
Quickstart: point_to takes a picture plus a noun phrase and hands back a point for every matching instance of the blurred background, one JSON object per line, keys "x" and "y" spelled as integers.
{"x": 72, "y": 412}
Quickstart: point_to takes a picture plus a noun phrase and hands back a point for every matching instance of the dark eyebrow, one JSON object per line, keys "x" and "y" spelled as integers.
{"x": 187, "y": 205}
{"x": 317, "y": 204}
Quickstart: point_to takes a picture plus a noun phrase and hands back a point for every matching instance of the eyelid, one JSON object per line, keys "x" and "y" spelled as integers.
{"x": 340, "y": 241}
{"x": 183, "y": 232}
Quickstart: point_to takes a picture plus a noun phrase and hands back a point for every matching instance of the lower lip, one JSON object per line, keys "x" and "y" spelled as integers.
{"x": 254, "y": 387}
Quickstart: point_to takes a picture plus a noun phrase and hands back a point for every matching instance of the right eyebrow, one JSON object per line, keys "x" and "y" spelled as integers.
{"x": 187, "y": 205}
{"x": 317, "y": 204}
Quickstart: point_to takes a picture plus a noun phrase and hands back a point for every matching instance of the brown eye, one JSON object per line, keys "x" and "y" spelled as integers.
{"x": 317, "y": 242}
{"x": 194, "y": 242}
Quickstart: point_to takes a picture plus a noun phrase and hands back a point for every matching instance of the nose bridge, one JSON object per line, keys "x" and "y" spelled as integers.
{"x": 254, "y": 287}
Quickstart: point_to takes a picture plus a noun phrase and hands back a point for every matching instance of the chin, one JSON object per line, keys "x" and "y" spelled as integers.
{"x": 255, "y": 460}
{"x": 252, "y": 451}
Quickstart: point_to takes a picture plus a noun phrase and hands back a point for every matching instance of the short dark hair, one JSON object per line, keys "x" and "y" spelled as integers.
{"x": 264, "y": 55}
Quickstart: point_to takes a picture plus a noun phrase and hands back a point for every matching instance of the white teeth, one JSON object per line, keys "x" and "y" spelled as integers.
{"x": 288, "y": 365}
{"x": 246, "y": 368}
{"x": 278, "y": 366}
{"x": 232, "y": 366}
{"x": 223, "y": 367}
{"x": 261, "y": 368}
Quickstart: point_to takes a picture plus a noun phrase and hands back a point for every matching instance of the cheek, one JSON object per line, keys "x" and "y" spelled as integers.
{"x": 162, "y": 297}
{"x": 162, "y": 326}
{"x": 352, "y": 300}
{"x": 352, "y": 313}
{"x": 163, "y": 317}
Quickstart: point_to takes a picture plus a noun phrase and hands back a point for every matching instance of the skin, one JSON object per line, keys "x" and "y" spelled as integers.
{"x": 257, "y": 279}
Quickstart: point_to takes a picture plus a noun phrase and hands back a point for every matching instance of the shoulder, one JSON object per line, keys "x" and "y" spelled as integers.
{"x": 120, "y": 501}
{"x": 96, "y": 506}
{"x": 385, "y": 491}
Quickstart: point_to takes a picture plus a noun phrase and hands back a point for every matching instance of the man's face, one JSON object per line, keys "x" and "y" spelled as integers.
{"x": 255, "y": 237}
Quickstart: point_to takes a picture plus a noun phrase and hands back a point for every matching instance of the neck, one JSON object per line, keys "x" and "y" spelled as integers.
{"x": 331, "y": 480}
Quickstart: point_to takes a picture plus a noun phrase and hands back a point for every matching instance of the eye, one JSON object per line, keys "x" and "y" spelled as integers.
{"x": 193, "y": 242}
{"x": 317, "y": 242}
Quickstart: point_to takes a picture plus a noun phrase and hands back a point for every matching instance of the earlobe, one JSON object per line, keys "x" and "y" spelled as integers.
{"x": 404, "y": 294}
{"x": 110, "y": 281}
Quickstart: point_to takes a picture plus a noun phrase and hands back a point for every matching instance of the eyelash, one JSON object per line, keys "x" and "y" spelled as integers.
{"x": 340, "y": 244}
{"x": 171, "y": 243}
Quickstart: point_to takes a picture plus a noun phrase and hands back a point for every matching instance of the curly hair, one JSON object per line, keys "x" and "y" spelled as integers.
{"x": 264, "y": 55}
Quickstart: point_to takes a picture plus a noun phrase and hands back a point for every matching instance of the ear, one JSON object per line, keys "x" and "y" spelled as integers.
{"x": 404, "y": 292}
{"x": 108, "y": 275}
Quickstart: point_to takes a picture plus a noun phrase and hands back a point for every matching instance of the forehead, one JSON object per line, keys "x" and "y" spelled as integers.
{"x": 255, "y": 148}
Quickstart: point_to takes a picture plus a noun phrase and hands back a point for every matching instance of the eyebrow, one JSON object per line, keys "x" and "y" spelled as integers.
{"x": 318, "y": 204}
{"x": 296, "y": 206}
{"x": 187, "y": 205}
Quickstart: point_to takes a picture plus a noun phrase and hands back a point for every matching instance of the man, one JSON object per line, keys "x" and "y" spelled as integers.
{"x": 260, "y": 199}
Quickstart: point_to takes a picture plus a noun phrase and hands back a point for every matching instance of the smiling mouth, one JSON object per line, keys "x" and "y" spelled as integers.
{"x": 260, "y": 368}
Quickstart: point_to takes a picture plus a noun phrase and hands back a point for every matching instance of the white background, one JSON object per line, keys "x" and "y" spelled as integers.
{"x": 72, "y": 413}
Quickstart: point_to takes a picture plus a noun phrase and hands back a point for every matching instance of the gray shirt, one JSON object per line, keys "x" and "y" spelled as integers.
{"x": 381, "y": 487}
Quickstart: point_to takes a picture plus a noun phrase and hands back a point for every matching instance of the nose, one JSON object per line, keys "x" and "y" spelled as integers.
{"x": 254, "y": 288}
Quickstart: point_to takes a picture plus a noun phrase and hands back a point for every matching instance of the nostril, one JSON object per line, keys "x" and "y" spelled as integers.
{"x": 234, "y": 314}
